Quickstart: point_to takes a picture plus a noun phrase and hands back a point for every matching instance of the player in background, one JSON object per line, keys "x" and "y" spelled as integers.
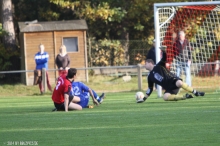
{"x": 84, "y": 92}
{"x": 61, "y": 94}
{"x": 170, "y": 82}
{"x": 152, "y": 55}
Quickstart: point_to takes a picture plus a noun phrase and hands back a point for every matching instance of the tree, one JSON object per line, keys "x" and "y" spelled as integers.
{"x": 8, "y": 25}
{"x": 116, "y": 20}
{"x": 42, "y": 10}
{"x": 106, "y": 19}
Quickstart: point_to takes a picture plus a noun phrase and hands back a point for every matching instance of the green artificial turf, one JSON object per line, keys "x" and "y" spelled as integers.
{"x": 118, "y": 121}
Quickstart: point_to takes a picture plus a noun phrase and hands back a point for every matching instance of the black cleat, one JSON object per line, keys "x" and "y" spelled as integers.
{"x": 141, "y": 100}
{"x": 102, "y": 97}
{"x": 55, "y": 109}
{"x": 199, "y": 93}
{"x": 188, "y": 96}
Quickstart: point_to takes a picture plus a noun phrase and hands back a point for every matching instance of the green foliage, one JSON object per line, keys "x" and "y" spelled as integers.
{"x": 2, "y": 31}
{"x": 138, "y": 50}
{"x": 42, "y": 10}
{"x": 107, "y": 53}
{"x": 106, "y": 19}
{"x": 48, "y": 14}
{"x": 112, "y": 52}
{"x": 5, "y": 56}
{"x": 114, "y": 18}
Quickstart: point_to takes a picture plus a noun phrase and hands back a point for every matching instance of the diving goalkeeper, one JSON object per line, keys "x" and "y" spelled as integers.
{"x": 170, "y": 82}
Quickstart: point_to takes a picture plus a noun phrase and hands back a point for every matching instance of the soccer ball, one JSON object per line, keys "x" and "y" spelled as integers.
{"x": 139, "y": 96}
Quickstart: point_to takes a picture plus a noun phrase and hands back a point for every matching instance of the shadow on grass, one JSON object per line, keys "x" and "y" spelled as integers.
{"x": 39, "y": 94}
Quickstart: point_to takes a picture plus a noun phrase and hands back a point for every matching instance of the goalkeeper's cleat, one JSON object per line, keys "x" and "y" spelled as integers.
{"x": 199, "y": 93}
{"x": 101, "y": 97}
{"x": 188, "y": 96}
{"x": 141, "y": 100}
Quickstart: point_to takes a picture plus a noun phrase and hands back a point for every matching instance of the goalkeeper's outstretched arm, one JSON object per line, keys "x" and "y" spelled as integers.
{"x": 149, "y": 90}
{"x": 150, "y": 87}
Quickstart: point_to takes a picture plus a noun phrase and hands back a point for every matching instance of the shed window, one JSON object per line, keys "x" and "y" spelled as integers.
{"x": 71, "y": 44}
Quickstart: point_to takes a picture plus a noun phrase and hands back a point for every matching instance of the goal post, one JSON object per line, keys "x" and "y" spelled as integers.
{"x": 200, "y": 22}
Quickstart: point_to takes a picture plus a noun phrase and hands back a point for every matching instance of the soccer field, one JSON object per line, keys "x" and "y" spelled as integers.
{"x": 119, "y": 121}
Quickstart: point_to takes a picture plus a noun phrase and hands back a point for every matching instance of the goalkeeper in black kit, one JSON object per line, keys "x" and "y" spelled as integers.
{"x": 169, "y": 82}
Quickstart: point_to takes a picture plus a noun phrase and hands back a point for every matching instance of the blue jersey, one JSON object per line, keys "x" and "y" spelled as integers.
{"x": 82, "y": 91}
{"x": 79, "y": 88}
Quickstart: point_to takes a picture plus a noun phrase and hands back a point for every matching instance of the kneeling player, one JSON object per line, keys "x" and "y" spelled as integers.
{"x": 168, "y": 81}
{"x": 84, "y": 92}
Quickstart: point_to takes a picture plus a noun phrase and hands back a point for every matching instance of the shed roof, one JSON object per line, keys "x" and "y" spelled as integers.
{"x": 36, "y": 26}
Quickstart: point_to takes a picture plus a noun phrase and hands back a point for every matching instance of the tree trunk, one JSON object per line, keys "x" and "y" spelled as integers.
{"x": 8, "y": 25}
{"x": 1, "y": 11}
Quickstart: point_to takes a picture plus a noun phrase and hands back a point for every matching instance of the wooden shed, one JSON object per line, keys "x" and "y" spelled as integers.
{"x": 52, "y": 35}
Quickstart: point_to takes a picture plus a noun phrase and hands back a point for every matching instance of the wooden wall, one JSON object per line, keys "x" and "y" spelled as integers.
{"x": 77, "y": 58}
{"x": 52, "y": 42}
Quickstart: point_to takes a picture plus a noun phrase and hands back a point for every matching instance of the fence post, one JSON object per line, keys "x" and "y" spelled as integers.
{"x": 139, "y": 77}
{"x": 44, "y": 79}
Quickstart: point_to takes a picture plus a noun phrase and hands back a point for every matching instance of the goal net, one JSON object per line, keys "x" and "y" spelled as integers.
{"x": 200, "y": 23}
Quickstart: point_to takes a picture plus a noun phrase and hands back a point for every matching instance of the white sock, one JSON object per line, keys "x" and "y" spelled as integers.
{"x": 194, "y": 92}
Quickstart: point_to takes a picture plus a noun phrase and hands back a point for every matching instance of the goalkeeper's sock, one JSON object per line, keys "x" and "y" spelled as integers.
{"x": 173, "y": 97}
{"x": 187, "y": 88}
{"x": 191, "y": 90}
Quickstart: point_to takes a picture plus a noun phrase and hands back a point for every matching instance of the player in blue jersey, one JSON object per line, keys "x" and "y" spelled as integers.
{"x": 78, "y": 89}
{"x": 84, "y": 92}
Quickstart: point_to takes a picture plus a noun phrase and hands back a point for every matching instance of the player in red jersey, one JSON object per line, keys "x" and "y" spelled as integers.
{"x": 61, "y": 97}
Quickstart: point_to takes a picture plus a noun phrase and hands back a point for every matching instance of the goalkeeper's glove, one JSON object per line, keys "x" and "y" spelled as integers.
{"x": 142, "y": 100}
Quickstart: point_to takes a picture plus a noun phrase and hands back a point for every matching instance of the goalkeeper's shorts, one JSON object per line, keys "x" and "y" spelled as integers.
{"x": 171, "y": 86}
{"x": 173, "y": 91}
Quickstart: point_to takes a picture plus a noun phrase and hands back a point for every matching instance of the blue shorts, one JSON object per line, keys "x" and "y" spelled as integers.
{"x": 84, "y": 99}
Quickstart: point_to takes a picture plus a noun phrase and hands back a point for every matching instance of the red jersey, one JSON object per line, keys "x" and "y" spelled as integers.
{"x": 63, "y": 86}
